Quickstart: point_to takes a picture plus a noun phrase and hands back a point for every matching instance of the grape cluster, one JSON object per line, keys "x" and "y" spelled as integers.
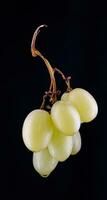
{"x": 54, "y": 136}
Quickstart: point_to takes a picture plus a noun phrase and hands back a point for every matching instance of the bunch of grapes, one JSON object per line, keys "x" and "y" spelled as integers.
{"x": 54, "y": 135}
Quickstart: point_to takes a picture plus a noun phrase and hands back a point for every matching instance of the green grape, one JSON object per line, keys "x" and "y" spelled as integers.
{"x": 84, "y": 102}
{"x": 60, "y": 146}
{"x": 37, "y": 130}
{"x": 65, "y": 96}
{"x": 65, "y": 117}
{"x": 76, "y": 143}
{"x": 43, "y": 162}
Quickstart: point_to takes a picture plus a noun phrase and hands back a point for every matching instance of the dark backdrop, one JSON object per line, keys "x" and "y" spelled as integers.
{"x": 76, "y": 42}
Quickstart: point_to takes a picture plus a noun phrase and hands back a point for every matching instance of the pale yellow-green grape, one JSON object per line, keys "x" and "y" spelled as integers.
{"x": 76, "y": 143}
{"x": 37, "y": 130}
{"x": 65, "y": 96}
{"x": 60, "y": 146}
{"x": 43, "y": 162}
{"x": 65, "y": 117}
{"x": 84, "y": 102}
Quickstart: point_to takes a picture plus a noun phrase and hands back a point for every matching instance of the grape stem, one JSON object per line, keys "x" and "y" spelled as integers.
{"x": 52, "y": 93}
{"x": 66, "y": 79}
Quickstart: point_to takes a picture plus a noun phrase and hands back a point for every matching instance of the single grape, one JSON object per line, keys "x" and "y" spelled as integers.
{"x": 60, "y": 146}
{"x": 84, "y": 102}
{"x": 65, "y": 117}
{"x": 44, "y": 163}
{"x": 37, "y": 130}
{"x": 76, "y": 143}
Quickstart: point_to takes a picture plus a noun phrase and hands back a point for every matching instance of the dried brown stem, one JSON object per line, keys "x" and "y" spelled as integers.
{"x": 35, "y": 53}
{"x": 66, "y": 79}
{"x": 53, "y": 92}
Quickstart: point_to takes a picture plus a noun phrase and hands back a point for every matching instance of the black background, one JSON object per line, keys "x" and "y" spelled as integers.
{"x": 75, "y": 42}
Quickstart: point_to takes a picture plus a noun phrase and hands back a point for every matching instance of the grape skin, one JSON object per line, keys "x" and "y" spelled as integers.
{"x": 44, "y": 163}
{"x": 84, "y": 102}
{"x": 76, "y": 143}
{"x": 37, "y": 130}
{"x": 60, "y": 146}
{"x": 65, "y": 96}
{"x": 65, "y": 117}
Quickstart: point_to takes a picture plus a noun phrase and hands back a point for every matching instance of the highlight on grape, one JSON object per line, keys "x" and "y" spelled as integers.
{"x": 51, "y": 132}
